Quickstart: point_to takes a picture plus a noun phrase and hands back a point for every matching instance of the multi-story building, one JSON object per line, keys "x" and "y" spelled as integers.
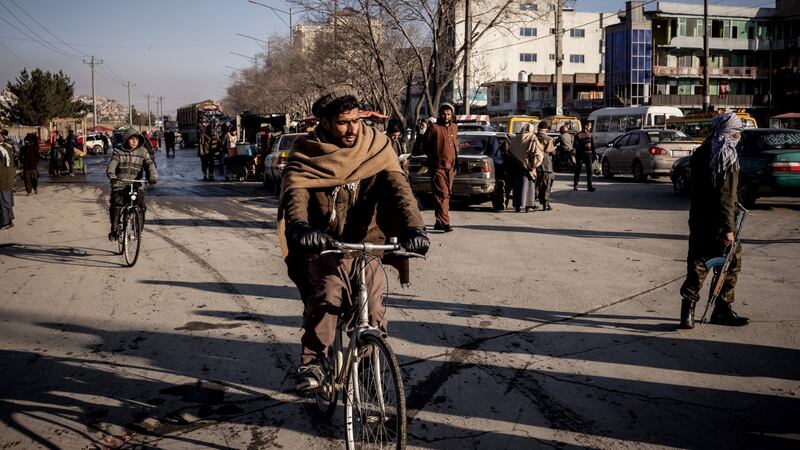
{"x": 785, "y": 57}
{"x": 515, "y": 62}
{"x": 628, "y": 58}
{"x": 738, "y": 66}
{"x": 656, "y": 57}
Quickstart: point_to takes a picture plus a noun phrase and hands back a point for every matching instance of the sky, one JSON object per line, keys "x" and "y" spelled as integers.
{"x": 178, "y": 49}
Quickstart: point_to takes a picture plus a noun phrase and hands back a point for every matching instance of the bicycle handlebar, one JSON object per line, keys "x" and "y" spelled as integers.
{"x": 133, "y": 181}
{"x": 336, "y": 247}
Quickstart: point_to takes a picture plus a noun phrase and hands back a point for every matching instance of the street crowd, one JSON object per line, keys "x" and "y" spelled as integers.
{"x": 345, "y": 180}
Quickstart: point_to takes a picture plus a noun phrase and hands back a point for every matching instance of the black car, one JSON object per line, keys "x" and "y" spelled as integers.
{"x": 769, "y": 161}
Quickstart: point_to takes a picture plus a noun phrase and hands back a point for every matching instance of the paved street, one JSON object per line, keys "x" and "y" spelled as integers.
{"x": 533, "y": 330}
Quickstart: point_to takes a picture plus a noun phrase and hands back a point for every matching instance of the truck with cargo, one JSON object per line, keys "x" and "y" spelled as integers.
{"x": 194, "y": 117}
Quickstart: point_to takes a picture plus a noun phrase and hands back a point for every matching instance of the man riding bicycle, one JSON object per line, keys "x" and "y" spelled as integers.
{"x": 342, "y": 181}
{"x": 127, "y": 164}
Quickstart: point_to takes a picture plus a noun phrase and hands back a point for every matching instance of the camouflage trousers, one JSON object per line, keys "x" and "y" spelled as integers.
{"x": 700, "y": 251}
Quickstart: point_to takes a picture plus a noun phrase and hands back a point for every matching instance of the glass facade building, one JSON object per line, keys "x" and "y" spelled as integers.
{"x": 628, "y": 64}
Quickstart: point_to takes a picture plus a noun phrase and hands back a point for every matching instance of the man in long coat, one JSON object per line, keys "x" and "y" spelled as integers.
{"x": 441, "y": 147}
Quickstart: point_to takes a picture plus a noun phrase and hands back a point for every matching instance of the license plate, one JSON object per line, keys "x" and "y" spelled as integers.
{"x": 681, "y": 153}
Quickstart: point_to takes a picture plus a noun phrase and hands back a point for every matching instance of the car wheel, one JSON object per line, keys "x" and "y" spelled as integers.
{"x": 680, "y": 183}
{"x": 97, "y": 149}
{"x": 606, "y": 166}
{"x": 638, "y": 172}
{"x": 746, "y": 193}
{"x": 265, "y": 181}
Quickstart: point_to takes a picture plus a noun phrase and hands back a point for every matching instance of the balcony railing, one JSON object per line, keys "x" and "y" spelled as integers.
{"x": 696, "y": 101}
{"x": 696, "y": 72}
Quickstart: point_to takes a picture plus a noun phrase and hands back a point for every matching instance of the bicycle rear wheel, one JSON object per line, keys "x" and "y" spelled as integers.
{"x": 375, "y": 404}
{"x": 132, "y": 238}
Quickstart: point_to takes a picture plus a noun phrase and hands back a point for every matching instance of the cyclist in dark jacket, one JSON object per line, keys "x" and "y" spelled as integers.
{"x": 127, "y": 163}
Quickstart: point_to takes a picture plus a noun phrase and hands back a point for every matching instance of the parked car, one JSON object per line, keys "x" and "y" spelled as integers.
{"x": 476, "y": 181}
{"x": 474, "y": 126}
{"x": 94, "y": 144}
{"x": 275, "y": 160}
{"x": 647, "y": 152}
{"x": 769, "y": 161}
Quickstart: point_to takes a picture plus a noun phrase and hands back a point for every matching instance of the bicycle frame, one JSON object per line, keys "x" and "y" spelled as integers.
{"x": 345, "y": 361}
{"x": 132, "y": 193}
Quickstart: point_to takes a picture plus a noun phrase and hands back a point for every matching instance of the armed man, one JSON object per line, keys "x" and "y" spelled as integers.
{"x": 712, "y": 220}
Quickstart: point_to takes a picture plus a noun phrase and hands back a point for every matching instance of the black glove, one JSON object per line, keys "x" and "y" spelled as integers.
{"x": 151, "y": 182}
{"x": 416, "y": 240}
{"x": 301, "y": 235}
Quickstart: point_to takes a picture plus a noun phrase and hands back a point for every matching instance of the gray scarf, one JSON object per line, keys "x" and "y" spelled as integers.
{"x": 723, "y": 145}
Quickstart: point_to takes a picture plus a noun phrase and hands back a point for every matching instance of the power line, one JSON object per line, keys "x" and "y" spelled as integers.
{"x": 557, "y": 31}
{"x": 45, "y": 28}
{"x": 24, "y": 64}
{"x": 41, "y": 40}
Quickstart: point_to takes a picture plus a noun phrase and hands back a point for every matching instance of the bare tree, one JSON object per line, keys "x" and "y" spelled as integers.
{"x": 386, "y": 48}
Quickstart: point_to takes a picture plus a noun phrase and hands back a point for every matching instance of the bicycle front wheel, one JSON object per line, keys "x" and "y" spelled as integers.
{"x": 375, "y": 404}
{"x": 132, "y": 238}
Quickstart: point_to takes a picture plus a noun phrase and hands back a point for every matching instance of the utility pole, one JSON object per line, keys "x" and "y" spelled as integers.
{"x": 467, "y": 51}
{"x": 706, "y": 55}
{"x": 559, "y": 60}
{"x": 161, "y": 109}
{"x": 130, "y": 110}
{"x": 92, "y": 63}
{"x": 149, "y": 125}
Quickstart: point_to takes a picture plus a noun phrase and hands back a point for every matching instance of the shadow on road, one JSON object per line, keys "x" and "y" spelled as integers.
{"x": 627, "y": 234}
{"x": 247, "y": 289}
{"x": 71, "y": 256}
{"x": 228, "y": 223}
{"x": 228, "y": 377}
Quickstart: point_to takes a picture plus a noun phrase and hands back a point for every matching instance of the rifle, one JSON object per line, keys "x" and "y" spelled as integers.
{"x": 721, "y": 264}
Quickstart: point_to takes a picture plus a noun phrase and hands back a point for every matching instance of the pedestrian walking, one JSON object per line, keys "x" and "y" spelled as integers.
{"x": 69, "y": 151}
{"x": 56, "y": 151}
{"x": 441, "y": 148}
{"x": 508, "y": 171}
{"x": 228, "y": 149}
{"x": 207, "y": 149}
{"x": 712, "y": 220}
{"x": 30, "y": 163}
{"x": 169, "y": 141}
{"x": 546, "y": 177}
{"x": 418, "y": 140}
{"x": 566, "y": 142}
{"x": 8, "y": 179}
{"x": 525, "y": 156}
{"x": 584, "y": 155}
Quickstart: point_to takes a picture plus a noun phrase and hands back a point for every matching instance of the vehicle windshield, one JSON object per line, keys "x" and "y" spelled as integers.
{"x": 287, "y": 141}
{"x": 517, "y": 128}
{"x": 572, "y": 125}
{"x": 748, "y": 123}
{"x": 476, "y": 145}
{"x": 666, "y": 136}
{"x": 779, "y": 140}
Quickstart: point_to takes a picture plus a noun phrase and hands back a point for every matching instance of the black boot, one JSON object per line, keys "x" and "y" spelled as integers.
{"x": 725, "y": 315}
{"x": 687, "y": 314}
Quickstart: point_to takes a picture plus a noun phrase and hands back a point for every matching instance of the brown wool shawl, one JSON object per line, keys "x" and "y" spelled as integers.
{"x": 314, "y": 163}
